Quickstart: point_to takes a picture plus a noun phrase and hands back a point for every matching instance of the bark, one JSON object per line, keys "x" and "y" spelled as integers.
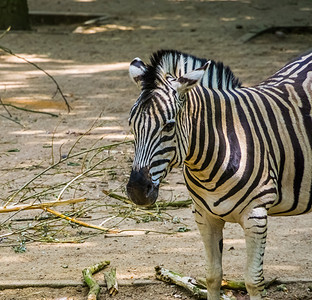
{"x": 14, "y": 14}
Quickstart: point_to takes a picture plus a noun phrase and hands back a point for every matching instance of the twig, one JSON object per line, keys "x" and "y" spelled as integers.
{"x": 92, "y": 283}
{"x": 11, "y": 119}
{"x": 5, "y": 108}
{"x": 29, "y": 110}
{"x": 117, "y": 197}
{"x": 84, "y": 224}
{"x": 38, "y": 206}
{"x": 80, "y": 175}
{"x": 7, "y": 50}
{"x": 11, "y": 198}
{"x": 84, "y": 134}
{"x": 5, "y": 32}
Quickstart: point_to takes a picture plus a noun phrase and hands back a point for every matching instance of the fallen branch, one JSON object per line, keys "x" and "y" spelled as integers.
{"x": 43, "y": 205}
{"x": 11, "y": 119}
{"x": 5, "y": 108}
{"x": 117, "y": 197}
{"x": 81, "y": 223}
{"x": 29, "y": 110}
{"x": 233, "y": 285}
{"x": 237, "y": 285}
{"x": 7, "y": 50}
{"x": 92, "y": 283}
{"x": 186, "y": 282}
{"x": 111, "y": 282}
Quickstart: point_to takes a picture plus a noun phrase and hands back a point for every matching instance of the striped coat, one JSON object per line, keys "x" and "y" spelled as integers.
{"x": 246, "y": 151}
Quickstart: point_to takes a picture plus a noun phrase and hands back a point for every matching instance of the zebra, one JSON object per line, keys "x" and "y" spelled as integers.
{"x": 246, "y": 151}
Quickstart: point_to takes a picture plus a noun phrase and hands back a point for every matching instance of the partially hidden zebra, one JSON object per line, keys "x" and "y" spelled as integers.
{"x": 246, "y": 151}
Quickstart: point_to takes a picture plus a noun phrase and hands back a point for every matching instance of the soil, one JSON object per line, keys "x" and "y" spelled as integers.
{"x": 90, "y": 63}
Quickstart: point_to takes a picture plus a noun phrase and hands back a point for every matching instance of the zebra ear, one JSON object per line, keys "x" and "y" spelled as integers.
{"x": 136, "y": 70}
{"x": 186, "y": 82}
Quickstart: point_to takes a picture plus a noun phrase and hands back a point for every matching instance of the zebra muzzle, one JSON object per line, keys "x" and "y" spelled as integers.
{"x": 140, "y": 188}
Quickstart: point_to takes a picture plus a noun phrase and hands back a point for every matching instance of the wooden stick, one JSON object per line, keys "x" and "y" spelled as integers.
{"x": 58, "y": 214}
{"x": 92, "y": 283}
{"x": 39, "y": 205}
{"x": 111, "y": 282}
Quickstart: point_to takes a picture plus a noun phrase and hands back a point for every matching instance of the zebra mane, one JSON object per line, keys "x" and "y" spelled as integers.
{"x": 175, "y": 63}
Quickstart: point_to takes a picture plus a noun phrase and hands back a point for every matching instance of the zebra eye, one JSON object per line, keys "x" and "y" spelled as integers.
{"x": 169, "y": 126}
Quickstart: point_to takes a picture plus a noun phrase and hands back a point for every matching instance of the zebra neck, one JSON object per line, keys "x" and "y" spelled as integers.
{"x": 207, "y": 146}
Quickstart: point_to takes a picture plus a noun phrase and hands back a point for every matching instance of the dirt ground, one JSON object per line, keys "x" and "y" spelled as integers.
{"x": 90, "y": 63}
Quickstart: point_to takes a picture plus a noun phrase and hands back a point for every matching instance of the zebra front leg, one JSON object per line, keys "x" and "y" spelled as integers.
{"x": 255, "y": 228}
{"x": 211, "y": 233}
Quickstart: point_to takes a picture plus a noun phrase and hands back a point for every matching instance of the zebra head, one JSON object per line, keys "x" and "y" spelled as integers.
{"x": 158, "y": 126}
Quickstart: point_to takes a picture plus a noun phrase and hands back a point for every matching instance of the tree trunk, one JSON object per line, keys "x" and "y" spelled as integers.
{"x": 14, "y": 13}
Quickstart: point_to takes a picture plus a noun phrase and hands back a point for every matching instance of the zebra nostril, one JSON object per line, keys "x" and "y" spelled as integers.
{"x": 140, "y": 188}
{"x": 149, "y": 189}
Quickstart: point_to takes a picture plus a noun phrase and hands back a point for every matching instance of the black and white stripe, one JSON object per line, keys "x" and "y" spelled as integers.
{"x": 246, "y": 150}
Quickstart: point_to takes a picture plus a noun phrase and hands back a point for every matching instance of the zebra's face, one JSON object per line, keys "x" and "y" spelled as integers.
{"x": 154, "y": 133}
{"x": 156, "y": 127}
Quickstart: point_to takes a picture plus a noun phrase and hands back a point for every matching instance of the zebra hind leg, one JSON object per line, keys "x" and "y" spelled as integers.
{"x": 211, "y": 233}
{"x": 255, "y": 228}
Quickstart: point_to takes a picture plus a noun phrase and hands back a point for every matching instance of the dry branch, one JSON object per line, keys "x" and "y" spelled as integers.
{"x": 111, "y": 282}
{"x": 39, "y": 206}
{"x": 62, "y": 160}
{"x": 7, "y": 50}
{"x": 29, "y": 110}
{"x": 92, "y": 283}
{"x": 117, "y": 197}
{"x": 81, "y": 223}
{"x": 198, "y": 287}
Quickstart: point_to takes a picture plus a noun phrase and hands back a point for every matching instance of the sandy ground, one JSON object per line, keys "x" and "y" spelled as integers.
{"x": 90, "y": 63}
